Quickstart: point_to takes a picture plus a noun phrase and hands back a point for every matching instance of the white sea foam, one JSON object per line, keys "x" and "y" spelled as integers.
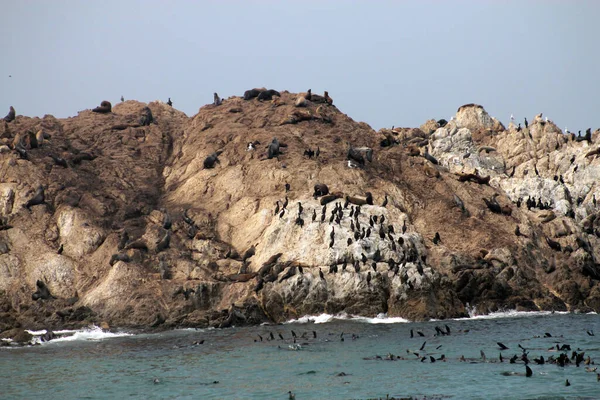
{"x": 324, "y": 318}
{"x": 508, "y": 314}
{"x": 91, "y": 333}
{"x": 384, "y": 319}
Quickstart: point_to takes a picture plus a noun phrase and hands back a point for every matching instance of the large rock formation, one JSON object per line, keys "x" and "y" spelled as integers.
{"x": 175, "y": 223}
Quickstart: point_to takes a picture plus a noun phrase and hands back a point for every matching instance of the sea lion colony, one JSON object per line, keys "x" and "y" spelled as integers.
{"x": 346, "y": 222}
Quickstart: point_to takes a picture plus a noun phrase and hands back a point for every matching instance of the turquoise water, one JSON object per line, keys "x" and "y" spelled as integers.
{"x": 125, "y": 367}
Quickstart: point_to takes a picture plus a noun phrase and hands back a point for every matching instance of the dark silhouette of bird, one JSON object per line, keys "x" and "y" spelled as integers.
{"x": 385, "y": 201}
{"x": 314, "y": 216}
{"x": 502, "y": 346}
{"x": 526, "y": 123}
{"x": 287, "y": 188}
{"x": 436, "y": 238}
{"x": 321, "y": 274}
{"x": 369, "y": 278}
{"x": 528, "y": 371}
{"x": 285, "y": 203}
{"x": 169, "y": 102}
{"x": 277, "y": 207}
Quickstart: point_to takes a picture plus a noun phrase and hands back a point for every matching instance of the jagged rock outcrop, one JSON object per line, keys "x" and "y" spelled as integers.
{"x": 134, "y": 229}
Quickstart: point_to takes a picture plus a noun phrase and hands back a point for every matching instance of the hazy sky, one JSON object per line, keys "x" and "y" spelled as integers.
{"x": 383, "y": 62}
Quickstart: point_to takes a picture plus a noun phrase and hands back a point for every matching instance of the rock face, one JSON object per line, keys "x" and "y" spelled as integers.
{"x": 133, "y": 230}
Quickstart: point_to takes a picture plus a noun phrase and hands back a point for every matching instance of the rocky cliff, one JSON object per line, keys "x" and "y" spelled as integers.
{"x": 175, "y": 221}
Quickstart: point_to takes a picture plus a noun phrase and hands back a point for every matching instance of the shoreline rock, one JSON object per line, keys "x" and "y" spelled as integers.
{"x": 134, "y": 231}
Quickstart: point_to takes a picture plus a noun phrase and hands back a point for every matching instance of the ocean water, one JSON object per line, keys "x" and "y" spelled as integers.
{"x": 234, "y": 364}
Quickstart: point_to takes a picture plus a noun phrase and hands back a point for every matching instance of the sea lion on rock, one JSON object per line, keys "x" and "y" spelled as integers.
{"x": 474, "y": 178}
{"x": 18, "y": 141}
{"x": 506, "y": 210}
{"x": 354, "y": 155}
{"x": 593, "y": 152}
{"x": 267, "y": 94}
{"x": 430, "y": 158}
{"x": 320, "y": 190}
{"x": 431, "y": 171}
{"x": 328, "y": 99}
{"x": 211, "y": 160}
{"x": 329, "y": 198}
{"x": 217, "y": 101}
{"x": 359, "y": 201}
{"x": 78, "y": 158}
{"x": 119, "y": 257}
{"x": 104, "y": 108}
{"x": 249, "y": 253}
{"x": 273, "y": 150}
{"x": 298, "y": 116}
{"x": 38, "y": 198}
{"x": 30, "y": 140}
{"x": 11, "y": 115}
{"x": 315, "y": 98}
{"x": 146, "y": 118}
{"x": 300, "y": 102}
{"x": 487, "y": 149}
{"x": 164, "y": 242}
{"x": 414, "y": 151}
{"x": 48, "y": 336}
{"x": 307, "y": 95}
{"x": 252, "y": 93}
{"x": 469, "y": 105}
{"x": 42, "y": 292}
{"x": 39, "y": 137}
{"x": 493, "y": 205}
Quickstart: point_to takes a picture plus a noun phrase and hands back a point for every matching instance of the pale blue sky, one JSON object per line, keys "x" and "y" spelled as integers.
{"x": 383, "y": 62}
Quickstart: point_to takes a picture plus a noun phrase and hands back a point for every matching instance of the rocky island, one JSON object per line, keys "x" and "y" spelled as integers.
{"x": 272, "y": 206}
